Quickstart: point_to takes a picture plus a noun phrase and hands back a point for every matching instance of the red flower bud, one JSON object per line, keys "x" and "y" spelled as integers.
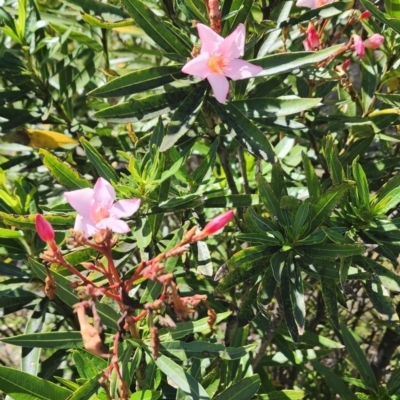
{"x": 346, "y": 64}
{"x": 365, "y": 15}
{"x": 217, "y": 223}
{"x": 44, "y": 228}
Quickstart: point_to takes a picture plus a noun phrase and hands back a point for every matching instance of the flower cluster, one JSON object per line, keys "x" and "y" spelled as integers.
{"x": 98, "y": 217}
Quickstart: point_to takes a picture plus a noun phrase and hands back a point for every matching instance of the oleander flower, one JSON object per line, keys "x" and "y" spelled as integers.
{"x": 97, "y": 210}
{"x": 373, "y": 42}
{"x": 313, "y": 3}
{"x": 312, "y": 38}
{"x": 219, "y": 60}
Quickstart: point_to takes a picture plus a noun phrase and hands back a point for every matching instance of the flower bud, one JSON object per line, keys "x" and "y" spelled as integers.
{"x": 374, "y": 42}
{"x": 359, "y": 46}
{"x": 365, "y": 15}
{"x": 346, "y": 64}
{"x": 217, "y": 223}
{"x": 44, "y": 228}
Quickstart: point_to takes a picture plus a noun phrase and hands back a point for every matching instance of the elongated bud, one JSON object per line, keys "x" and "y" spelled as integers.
{"x": 346, "y": 64}
{"x": 365, "y": 15}
{"x": 374, "y": 42}
{"x": 44, "y": 228}
{"x": 217, "y": 223}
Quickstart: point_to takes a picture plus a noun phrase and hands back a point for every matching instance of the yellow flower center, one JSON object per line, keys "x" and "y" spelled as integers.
{"x": 217, "y": 64}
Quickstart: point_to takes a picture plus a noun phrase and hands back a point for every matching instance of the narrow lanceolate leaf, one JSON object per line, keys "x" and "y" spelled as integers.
{"x": 181, "y": 378}
{"x": 103, "y": 168}
{"x": 280, "y": 63}
{"x": 329, "y": 295}
{"x": 323, "y": 206}
{"x": 265, "y": 107}
{"x": 10, "y": 234}
{"x": 154, "y": 27}
{"x": 240, "y": 10}
{"x": 388, "y": 195}
{"x": 288, "y": 307}
{"x": 269, "y": 199}
{"x": 362, "y": 185}
{"x": 244, "y": 131}
{"x": 139, "y": 81}
{"x": 21, "y": 385}
{"x": 313, "y": 185}
{"x": 98, "y": 7}
{"x": 334, "y": 382}
{"x": 64, "y": 174}
{"x": 392, "y": 7}
{"x": 335, "y": 250}
{"x": 370, "y": 79}
{"x": 278, "y": 261}
{"x": 47, "y": 340}
{"x": 358, "y": 357}
{"x": 282, "y": 395}
{"x": 380, "y": 16}
{"x": 244, "y": 389}
{"x": 207, "y": 163}
{"x": 144, "y": 108}
{"x": 380, "y": 298}
{"x": 30, "y": 357}
{"x": 59, "y": 222}
{"x": 301, "y": 217}
{"x": 183, "y": 118}
{"x": 297, "y": 298}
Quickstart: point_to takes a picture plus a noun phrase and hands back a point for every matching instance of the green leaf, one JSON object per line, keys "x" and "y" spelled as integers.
{"x": 288, "y": 306}
{"x": 370, "y": 79}
{"x": 278, "y": 261}
{"x": 47, "y": 340}
{"x": 282, "y": 395}
{"x": 100, "y": 23}
{"x": 144, "y": 108}
{"x": 331, "y": 155}
{"x": 266, "y": 107}
{"x": 323, "y": 205}
{"x": 98, "y": 7}
{"x": 59, "y": 222}
{"x": 240, "y": 10}
{"x": 359, "y": 359}
{"x": 139, "y": 81}
{"x": 287, "y": 62}
{"x": 392, "y": 7}
{"x": 145, "y": 395}
{"x": 393, "y": 384}
{"x": 297, "y": 298}
{"x": 334, "y": 382}
{"x": 380, "y": 16}
{"x": 64, "y": 174}
{"x": 362, "y": 185}
{"x": 380, "y": 298}
{"x": 391, "y": 98}
{"x": 17, "y": 298}
{"x": 269, "y": 199}
{"x": 30, "y": 357}
{"x": 181, "y": 378}
{"x": 329, "y": 294}
{"x": 16, "y": 384}
{"x": 313, "y": 185}
{"x": 244, "y": 131}
{"x": 388, "y": 196}
{"x": 10, "y": 233}
{"x": 301, "y": 217}
{"x": 183, "y": 118}
{"x": 334, "y": 250}
{"x": 243, "y": 390}
{"x": 103, "y": 168}
{"x": 155, "y": 28}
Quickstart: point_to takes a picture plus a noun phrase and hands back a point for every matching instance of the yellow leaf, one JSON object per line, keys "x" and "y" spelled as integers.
{"x": 47, "y": 139}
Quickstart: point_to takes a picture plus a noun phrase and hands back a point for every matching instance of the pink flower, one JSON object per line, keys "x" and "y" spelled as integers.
{"x": 312, "y": 38}
{"x": 218, "y": 60}
{"x": 214, "y": 225}
{"x": 373, "y": 42}
{"x": 96, "y": 210}
{"x": 313, "y": 3}
{"x": 44, "y": 228}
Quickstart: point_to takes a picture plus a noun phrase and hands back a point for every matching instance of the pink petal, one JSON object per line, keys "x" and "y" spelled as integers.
{"x": 85, "y": 225}
{"x": 81, "y": 200}
{"x": 198, "y": 66}
{"x": 104, "y": 193}
{"x": 218, "y": 223}
{"x": 359, "y": 46}
{"x": 306, "y": 3}
{"x": 374, "y": 42}
{"x": 220, "y": 86}
{"x": 125, "y": 208}
{"x": 241, "y": 69}
{"x": 209, "y": 39}
{"x": 233, "y": 45}
{"x": 116, "y": 225}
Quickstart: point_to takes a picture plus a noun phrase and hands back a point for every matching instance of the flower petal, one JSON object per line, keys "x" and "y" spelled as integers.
{"x": 198, "y": 66}
{"x": 104, "y": 193}
{"x": 359, "y": 46}
{"x": 241, "y": 69}
{"x": 209, "y": 39}
{"x": 81, "y": 200}
{"x": 85, "y": 226}
{"x": 374, "y": 42}
{"x": 233, "y": 45}
{"x": 306, "y": 3}
{"x": 220, "y": 86}
{"x": 125, "y": 208}
{"x": 116, "y": 225}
